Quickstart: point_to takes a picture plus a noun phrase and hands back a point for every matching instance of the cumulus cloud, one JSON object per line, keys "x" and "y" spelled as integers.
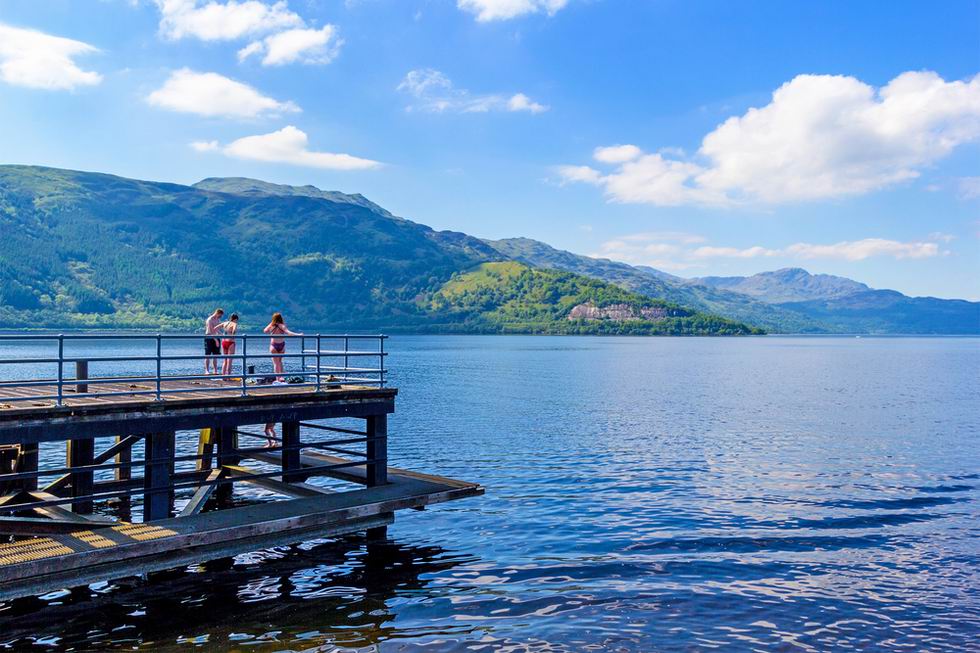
{"x": 288, "y": 145}
{"x": 677, "y": 250}
{"x": 521, "y": 102}
{"x": 223, "y": 21}
{"x": 617, "y": 153}
{"x": 432, "y": 91}
{"x": 213, "y": 95}
{"x": 820, "y": 136}
{"x": 308, "y": 46}
{"x": 490, "y": 10}
{"x": 37, "y": 60}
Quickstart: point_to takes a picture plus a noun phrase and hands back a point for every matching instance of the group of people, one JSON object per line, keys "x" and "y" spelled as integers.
{"x": 220, "y": 342}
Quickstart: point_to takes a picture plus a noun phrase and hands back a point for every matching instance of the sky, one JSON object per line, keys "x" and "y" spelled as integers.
{"x": 700, "y": 138}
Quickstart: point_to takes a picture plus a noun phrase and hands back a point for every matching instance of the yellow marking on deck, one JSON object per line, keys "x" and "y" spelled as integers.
{"x": 29, "y": 550}
{"x": 142, "y": 532}
{"x": 93, "y": 539}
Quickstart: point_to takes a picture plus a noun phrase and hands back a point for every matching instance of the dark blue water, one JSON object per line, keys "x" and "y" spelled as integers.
{"x": 656, "y": 494}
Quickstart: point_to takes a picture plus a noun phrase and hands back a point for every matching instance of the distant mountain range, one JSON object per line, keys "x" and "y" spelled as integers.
{"x": 89, "y": 249}
{"x": 790, "y": 300}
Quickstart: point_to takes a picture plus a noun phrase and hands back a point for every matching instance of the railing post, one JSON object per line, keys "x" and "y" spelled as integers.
{"x": 346, "y": 358}
{"x": 61, "y": 368}
{"x": 244, "y": 365}
{"x": 318, "y": 362}
{"x": 159, "y": 365}
{"x": 381, "y": 362}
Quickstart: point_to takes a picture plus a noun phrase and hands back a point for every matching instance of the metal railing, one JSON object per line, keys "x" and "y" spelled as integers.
{"x": 325, "y": 361}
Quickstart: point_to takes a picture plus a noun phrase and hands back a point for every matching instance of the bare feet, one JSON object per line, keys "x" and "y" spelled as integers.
{"x": 270, "y": 434}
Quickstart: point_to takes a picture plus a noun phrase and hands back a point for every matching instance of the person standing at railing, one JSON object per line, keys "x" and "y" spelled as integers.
{"x": 229, "y": 328}
{"x": 212, "y": 349}
{"x": 277, "y": 346}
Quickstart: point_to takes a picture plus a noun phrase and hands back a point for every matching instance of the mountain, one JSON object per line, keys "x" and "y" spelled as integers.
{"x": 653, "y": 283}
{"x": 90, "y": 249}
{"x": 786, "y": 285}
{"x": 508, "y": 296}
{"x": 852, "y": 307}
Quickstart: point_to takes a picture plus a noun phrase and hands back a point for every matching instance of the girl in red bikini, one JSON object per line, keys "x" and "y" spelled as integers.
{"x": 277, "y": 347}
{"x": 230, "y": 328}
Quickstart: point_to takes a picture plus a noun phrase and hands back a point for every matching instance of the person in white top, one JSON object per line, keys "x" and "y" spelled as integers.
{"x": 212, "y": 348}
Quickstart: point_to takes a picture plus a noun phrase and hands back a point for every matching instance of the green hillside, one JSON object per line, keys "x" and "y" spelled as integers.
{"x": 513, "y": 297}
{"x": 84, "y": 249}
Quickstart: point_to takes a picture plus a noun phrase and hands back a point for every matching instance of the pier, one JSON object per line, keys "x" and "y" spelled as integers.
{"x": 118, "y": 464}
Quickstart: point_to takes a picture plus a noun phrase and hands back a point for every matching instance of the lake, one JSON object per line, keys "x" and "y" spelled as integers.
{"x": 643, "y": 494}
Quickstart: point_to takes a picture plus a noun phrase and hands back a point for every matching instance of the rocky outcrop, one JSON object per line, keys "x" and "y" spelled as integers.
{"x": 617, "y": 312}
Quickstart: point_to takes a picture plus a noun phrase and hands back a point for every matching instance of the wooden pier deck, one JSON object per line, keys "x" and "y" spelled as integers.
{"x": 70, "y": 525}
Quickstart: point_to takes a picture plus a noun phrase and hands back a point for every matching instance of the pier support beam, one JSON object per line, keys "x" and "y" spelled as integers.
{"x": 291, "y": 465}
{"x": 227, "y": 455}
{"x": 158, "y": 495}
{"x": 81, "y": 453}
{"x": 377, "y": 450}
{"x": 29, "y": 457}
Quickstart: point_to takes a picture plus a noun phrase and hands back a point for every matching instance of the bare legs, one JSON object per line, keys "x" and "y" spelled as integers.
{"x": 226, "y": 366}
{"x": 277, "y": 365}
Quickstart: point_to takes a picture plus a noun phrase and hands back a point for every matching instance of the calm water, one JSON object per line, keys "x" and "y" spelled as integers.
{"x": 656, "y": 494}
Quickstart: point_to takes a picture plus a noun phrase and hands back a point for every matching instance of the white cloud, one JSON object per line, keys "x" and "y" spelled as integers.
{"x": 204, "y": 146}
{"x": 583, "y": 174}
{"x": 38, "y": 60}
{"x": 308, "y": 46}
{"x": 616, "y": 153}
{"x": 435, "y": 93}
{"x": 290, "y": 145}
{"x": 521, "y": 102}
{"x": 861, "y": 249}
{"x": 669, "y": 236}
{"x": 223, "y": 21}
{"x": 211, "y": 94}
{"x": 676, "y": 250}
{"x": 821, "y": 136}
{"x": 490, "y": 10}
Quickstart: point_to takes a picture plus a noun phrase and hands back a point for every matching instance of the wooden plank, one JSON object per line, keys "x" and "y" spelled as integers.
{"x": 53, "y": 424}
{"x": 226, "y": 526}
{"x": 43, "y": 526}
{"x": 58, "y": 512}
{"x": 196, "y": 504}
{"x": 170, "y": 559}
{"x": 289, "y": 489}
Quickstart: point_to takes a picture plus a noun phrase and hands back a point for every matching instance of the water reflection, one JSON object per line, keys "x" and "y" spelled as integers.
{"x": 336, "y": 592}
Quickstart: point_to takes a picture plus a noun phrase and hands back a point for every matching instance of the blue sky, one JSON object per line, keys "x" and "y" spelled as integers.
{"x": 703, "y": 138}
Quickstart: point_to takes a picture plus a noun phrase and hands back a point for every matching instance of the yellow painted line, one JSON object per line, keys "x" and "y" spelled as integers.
{"x": 141, "y": 532}
{"x": 37, "y": 549}
{"x": 93, "y": 539}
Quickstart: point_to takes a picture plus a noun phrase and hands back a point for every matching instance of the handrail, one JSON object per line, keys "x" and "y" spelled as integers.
{"x": 165, "y": 375}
